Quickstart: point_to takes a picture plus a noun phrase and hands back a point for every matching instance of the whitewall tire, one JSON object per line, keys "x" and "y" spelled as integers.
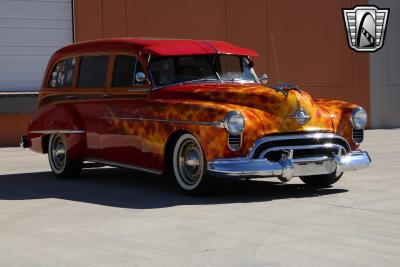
{"x": 60, "y": 163}
{"x": 189, "y": 165}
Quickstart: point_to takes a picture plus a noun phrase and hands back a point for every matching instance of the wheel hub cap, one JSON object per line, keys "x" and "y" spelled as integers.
{"x": 190, "y": 163}
{"x": 58, "y": 153}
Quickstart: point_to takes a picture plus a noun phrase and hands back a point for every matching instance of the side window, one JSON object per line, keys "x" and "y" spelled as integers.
{"x": 92, "y": 71}
{"x": 125, "y": 69}
{"x": 62, "y": 74}
{"x": 163, "y": 70}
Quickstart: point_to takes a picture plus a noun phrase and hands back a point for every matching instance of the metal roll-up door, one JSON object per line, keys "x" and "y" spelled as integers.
{"x": 30, "y": 31}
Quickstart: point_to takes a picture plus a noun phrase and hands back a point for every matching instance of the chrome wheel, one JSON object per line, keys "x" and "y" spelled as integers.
{"x": 62, "y": 162}
{"x": 58, "y": 155}
{"x": 189, "y": 163}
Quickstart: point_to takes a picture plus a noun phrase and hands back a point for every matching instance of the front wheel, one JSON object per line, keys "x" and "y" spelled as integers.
{"x": 189, "y": 165}
{"x": 60, "y": 163}
{"x": 321, "y": 180}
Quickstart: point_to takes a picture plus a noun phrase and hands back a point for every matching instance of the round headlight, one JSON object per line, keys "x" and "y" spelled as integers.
{"x": 358, "y": 118}
{"x": 234, "y": 122}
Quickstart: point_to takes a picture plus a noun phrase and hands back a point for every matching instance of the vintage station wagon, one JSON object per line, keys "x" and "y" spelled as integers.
{"x": 194, "y": 109}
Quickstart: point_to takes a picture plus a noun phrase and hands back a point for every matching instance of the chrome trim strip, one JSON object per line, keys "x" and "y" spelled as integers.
{"x": 139, "y": 90}
{"x": 214, "y": 123}
{"x": 125, "y": 166}
{"x": 58, "y": 132}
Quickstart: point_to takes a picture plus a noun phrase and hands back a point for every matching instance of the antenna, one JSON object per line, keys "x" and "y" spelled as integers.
{"x": 276, "y": 60}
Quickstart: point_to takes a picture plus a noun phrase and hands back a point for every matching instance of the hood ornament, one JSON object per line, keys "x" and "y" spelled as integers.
{"x": 301, "y": 116}
{"x": 285, "y": 87}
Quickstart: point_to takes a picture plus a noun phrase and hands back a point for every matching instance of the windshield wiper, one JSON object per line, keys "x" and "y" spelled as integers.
{"x": 237, "y": 80}
{"x": 201, "y": 80}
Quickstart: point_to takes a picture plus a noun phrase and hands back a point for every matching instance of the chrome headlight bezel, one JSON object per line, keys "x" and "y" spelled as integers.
{"x": 358, "y": 118}
{"x": 234, "y": 127}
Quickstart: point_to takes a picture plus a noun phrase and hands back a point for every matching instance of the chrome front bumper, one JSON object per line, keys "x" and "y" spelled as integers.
{"x": 288, "y": 167}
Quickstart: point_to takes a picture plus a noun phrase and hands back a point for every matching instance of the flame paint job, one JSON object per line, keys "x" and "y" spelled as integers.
{"x": 339, "y": 112}
{"x": 136, "y": 127}
{"x": 146, "y": 124}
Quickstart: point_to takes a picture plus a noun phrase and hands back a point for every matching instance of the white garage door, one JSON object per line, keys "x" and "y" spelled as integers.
{"x": 30, "y": 31}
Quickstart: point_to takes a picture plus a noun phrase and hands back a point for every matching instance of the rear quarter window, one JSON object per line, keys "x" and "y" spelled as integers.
{"x": 62, "y": 74}
{"x": 92, "y": 71}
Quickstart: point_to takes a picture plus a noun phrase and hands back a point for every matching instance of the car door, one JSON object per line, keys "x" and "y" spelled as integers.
{"x": 90, "y": 93}
{"x": 121, "y": 126}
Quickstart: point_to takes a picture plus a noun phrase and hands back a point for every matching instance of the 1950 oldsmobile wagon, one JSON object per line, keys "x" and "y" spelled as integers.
{"x": 194, "y": 108}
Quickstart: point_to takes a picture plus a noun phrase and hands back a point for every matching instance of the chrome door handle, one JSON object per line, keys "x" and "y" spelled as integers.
{"x": 70, "y": 97}
{"x": 106, "y": 96}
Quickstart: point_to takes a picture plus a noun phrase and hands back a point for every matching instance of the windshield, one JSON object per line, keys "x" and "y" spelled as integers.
{"x": 201, "y": 68}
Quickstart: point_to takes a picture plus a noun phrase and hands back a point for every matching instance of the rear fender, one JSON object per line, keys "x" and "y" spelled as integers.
{"x": 57, "y": 119}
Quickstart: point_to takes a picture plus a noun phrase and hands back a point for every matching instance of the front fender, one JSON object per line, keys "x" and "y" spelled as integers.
{"x": 340, "y": 115}
{"x": 161, "y": 118}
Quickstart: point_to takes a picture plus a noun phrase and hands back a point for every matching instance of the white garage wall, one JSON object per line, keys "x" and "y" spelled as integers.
{"x": 385, "y": 72}
{"x": 30, "y": 31}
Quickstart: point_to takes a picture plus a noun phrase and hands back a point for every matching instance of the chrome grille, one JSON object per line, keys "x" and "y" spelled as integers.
{"x": 234, "y": 141}
{"x": 358, "y": 135}
{"x": 274, "y": 148}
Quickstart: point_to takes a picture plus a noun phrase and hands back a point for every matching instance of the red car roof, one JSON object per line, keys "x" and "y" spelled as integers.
{"x": 161, "y": 47}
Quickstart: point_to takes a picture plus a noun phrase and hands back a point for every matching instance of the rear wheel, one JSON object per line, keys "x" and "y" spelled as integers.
{"x": 321, "y": 180}
{"x": 189, "y": 165}
{"x": 60, "y": 162}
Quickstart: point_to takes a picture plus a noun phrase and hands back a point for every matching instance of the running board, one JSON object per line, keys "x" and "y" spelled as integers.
{"x": 124, "y": 166}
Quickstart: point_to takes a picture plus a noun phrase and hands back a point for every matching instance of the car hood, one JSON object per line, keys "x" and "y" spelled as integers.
{"x": 274, "y": 108}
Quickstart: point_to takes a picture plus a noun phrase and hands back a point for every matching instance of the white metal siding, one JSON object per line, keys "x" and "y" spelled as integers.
{"x": 384, "y": 72}
{"x": 30, "y": 31}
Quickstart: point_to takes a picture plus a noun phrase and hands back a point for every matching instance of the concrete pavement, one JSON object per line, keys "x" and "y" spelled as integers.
{"x": 114, "y": 217}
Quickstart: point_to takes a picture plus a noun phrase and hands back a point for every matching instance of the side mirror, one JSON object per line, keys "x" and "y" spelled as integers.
{"x": 263, "y": 78}
{"x": 140, "y": 77}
